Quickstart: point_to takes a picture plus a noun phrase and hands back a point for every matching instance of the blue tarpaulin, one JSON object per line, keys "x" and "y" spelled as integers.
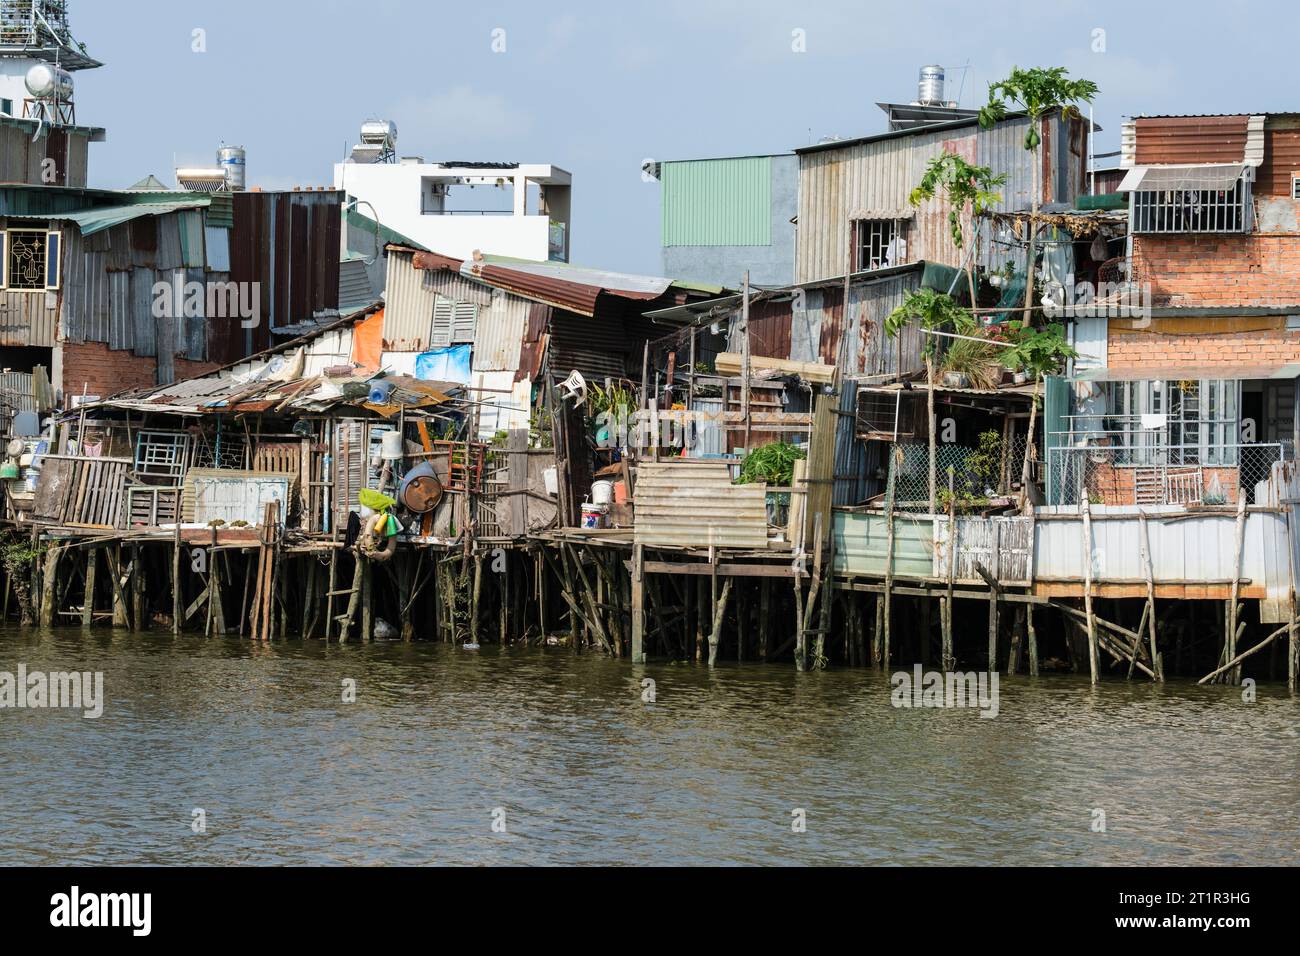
{"x": 444, "y": 365}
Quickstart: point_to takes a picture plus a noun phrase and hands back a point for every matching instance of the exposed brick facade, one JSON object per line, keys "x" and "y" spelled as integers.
{"x": 1202, "y": 343}
{"x": 1220, "y": 270}
{"x": 99, "y": 370}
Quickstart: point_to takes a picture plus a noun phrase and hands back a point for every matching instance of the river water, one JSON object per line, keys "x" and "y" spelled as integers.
{"x": 564, "y": 755}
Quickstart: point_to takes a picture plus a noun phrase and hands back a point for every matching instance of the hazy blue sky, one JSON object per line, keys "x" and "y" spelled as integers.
{"x": 598, "y": 87}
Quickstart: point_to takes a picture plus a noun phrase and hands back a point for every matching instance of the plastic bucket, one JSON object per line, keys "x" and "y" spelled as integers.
{"x": 602, "y": 493}
{"x": 592, "y": 517}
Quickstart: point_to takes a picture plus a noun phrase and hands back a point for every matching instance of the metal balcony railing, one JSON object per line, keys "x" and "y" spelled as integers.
{"x": 1160, "y": 474}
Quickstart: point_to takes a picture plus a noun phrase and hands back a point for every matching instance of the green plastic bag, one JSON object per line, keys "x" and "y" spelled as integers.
{"x": 393, "y": 528}
{"x": 375, "y": 501}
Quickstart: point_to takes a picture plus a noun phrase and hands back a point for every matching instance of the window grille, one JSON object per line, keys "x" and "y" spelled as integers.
{"x": 1193, "y": 210}
{"x": 880, "y": 243}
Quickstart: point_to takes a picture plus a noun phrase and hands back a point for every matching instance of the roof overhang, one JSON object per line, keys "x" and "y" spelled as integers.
{"x": 1209, "y": 176}
{"x": 1229, "y": 373}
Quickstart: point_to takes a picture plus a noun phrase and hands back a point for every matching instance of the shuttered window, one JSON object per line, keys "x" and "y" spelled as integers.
{"x": 453, "y": 322}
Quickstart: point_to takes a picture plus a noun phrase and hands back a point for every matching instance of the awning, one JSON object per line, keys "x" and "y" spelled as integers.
{"x": 1226, "y": 373}
{"x": 91, "y": 221}
{"x": 1214, "y": 176}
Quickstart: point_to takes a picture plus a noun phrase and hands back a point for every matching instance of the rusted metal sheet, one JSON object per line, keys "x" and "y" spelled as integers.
{"x": 532, "y": 352}
{"x": 408, "y": 310}
{"x": 874, "y": 179}
{"x": 692, "y": 504}
{"x": 499, "y": 333}
{"x": 595, "y": 347}
{"x": 1281, "y": 157}
{"x": 29, "y": 318}
{"x": 1191, "y": 139}
{"x": 554, "y": 285}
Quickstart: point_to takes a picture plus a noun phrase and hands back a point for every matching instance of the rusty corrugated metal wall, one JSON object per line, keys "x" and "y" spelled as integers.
{"x": 1191, "y": 139}
{"x": 1281, "y": 156}
{"x": 289, "y": 243}
{"x": 874, "y": 179}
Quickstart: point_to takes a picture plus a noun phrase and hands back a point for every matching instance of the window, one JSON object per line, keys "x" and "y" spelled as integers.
{"x": 1193, "y": 210}
{"x": 879, "y": 243}
{"x": 1295, "y": 185}
{"x": 1193, "y": 422}
{"x": 31, "y": 260}
{"x": 7, "y": 107}
{"x": 454, "y": 323}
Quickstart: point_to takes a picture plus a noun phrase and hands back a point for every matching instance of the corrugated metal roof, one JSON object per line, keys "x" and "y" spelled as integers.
{"x": 91, "y": 221}
{"x": 569, "y": 287}
{"x": 725, "y": 202}
{"x": 355, "y": 291}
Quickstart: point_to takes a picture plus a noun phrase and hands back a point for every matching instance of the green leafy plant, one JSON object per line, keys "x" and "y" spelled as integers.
{"x": 964, "y": 186}
{"x": 772, "y": 464}
{"x": 1036, "y": 92}
{"x": 17, "y": 557}
{"x": 1039, "y": 351}
{"x": 934, "y": 311}
{"x": 985, "y": 463}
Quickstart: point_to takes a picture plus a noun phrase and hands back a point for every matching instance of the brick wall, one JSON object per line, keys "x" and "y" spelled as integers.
{"x": 102, "y": 371}
{"x": 1199, "y": 343}
{"x": 1219, "y": 270}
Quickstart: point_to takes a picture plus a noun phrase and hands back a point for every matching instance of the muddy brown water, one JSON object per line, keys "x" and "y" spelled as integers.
{"x": 564, "y": 753}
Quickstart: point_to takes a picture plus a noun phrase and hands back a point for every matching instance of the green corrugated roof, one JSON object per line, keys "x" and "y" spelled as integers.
{"x": 91, "y": 221}
{"x": 717, "y": 202}
{"x": 386, "y": 235}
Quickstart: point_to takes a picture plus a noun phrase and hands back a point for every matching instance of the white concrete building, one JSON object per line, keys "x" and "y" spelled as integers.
{"x": 457, "y": 209}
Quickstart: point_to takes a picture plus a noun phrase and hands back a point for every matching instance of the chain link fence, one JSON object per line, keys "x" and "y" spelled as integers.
{"x": 967, "y": 476}
{"x": 1159, "y": 475}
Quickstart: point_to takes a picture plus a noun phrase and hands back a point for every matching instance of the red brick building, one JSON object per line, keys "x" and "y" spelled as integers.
{"x": 1199, "y": 384}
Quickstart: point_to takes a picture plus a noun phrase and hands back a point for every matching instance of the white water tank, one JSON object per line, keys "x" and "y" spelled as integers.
{"x": 45, "y": 81}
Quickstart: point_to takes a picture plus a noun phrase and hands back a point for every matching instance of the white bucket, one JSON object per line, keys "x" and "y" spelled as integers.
{"x": 392, "y": 447}
{"x": 602, "y": 493}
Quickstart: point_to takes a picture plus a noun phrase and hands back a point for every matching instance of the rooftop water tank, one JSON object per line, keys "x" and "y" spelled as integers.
{"x": 930, "y": 88}
{"x": 45, "y": 81}
{"x": 234, "y": 160}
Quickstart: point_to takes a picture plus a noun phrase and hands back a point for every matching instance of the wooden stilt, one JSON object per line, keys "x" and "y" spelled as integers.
{"x": 121, "y": 617}
{"x": 48, "y": 582}
{"x": 878, "y": 634}
{"x": 368, "y": 600}
{"x": 764, "y": 619}
{"x": 719, "y": 615}
{"x": 638, "y": 605}
{"x": 1293, "y": 662}
{"x": 177, "y": 598}
{"x": 1094, "y": 656}
{"x": 139, "y": 603}
{"x": 1017, "y": 640}
{"x": 1148, "y": 570}
{"x": 1033, "y": 640}
{"x": 88, "y": 598}
{"x": 1234, "y": 607}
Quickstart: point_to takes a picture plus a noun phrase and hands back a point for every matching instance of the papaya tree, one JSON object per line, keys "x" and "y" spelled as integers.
{"x": 964, "y": 186}
{"x": 1037, "y": 92}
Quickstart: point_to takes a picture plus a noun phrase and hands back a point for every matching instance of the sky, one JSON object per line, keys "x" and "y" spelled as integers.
{"x": 598, "y": 88}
